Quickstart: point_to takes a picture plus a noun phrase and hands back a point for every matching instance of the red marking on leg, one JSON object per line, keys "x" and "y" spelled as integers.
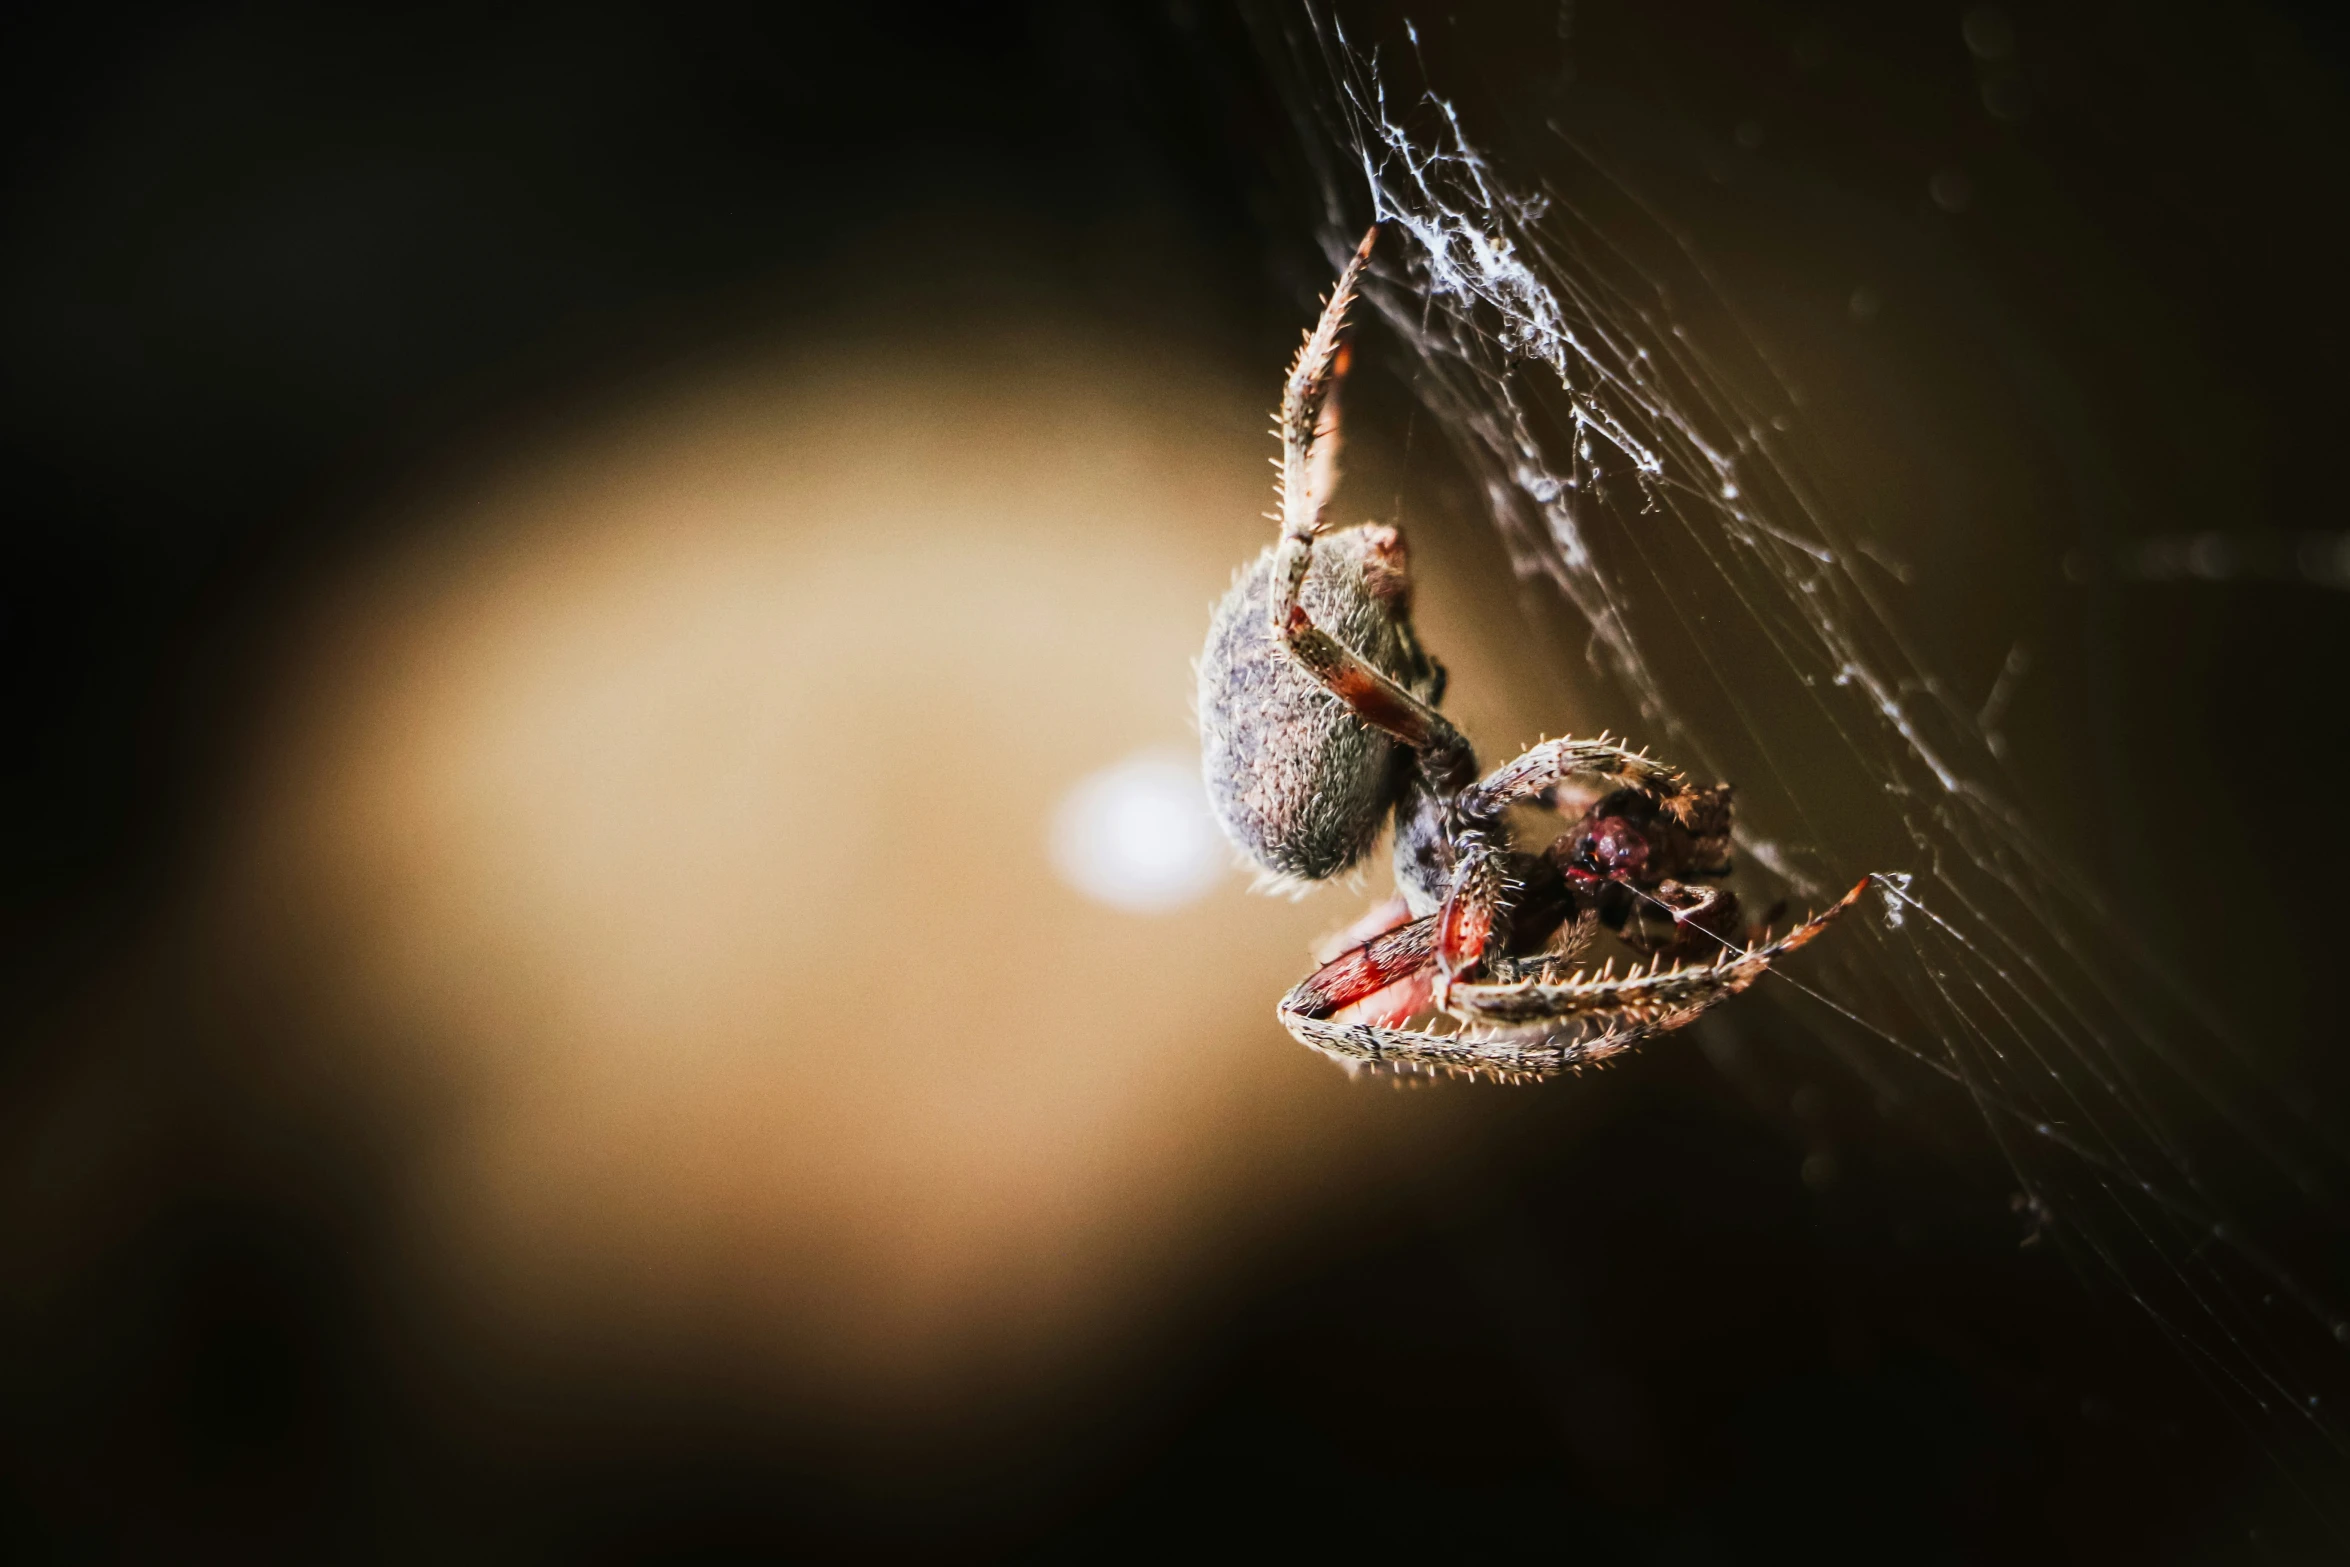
{"x": 1363, "y": 972}
{"x": 1463, "y": 935}
{"x": 1464, "y": 928}
{"x": 1369, "y": 697}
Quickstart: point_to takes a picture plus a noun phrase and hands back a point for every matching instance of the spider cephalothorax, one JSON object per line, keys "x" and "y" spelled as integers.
{"x": 1318, "y": 715}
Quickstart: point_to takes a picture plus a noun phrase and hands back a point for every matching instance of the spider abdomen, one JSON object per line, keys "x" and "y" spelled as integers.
{"x": 1300, "y": 784}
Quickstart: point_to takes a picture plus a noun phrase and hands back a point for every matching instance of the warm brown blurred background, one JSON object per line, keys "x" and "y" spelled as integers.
{"x": 587, "y": 590}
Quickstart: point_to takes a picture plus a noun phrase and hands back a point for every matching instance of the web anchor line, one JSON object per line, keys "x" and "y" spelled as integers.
{"x": 1635, "y": 443}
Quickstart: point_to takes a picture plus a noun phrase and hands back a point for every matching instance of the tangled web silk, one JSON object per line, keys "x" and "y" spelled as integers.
{"x": 1631, "y": 442}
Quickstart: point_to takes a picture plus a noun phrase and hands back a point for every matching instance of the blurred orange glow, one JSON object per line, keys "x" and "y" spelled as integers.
{"x": 665, "y": 843}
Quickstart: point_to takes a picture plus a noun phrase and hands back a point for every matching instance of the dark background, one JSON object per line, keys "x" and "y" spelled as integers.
{"x": 264, "y": 266}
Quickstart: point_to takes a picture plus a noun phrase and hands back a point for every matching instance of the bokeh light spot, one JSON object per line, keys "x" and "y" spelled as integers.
{"x": 1137, "y": 835}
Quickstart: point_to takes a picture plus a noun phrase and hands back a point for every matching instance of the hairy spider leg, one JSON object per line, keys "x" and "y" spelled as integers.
{"x": 1474, "y": 913}
{"x": 1309, "y": 469}
{"x": 1378, "y": 963}
{"x": 1309, "y": 435}
{"x": 1554, "y": 762}
{"x": 1363, "y": 970}
{"x": 1629, "y": 1008}
{"x": 1660, "y": 996}
{"x": 1477, "y": 907}
{"x": 1400, "y": 997}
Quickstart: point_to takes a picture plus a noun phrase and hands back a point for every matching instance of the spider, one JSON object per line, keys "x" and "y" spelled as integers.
{"x": 1319, "y": 722}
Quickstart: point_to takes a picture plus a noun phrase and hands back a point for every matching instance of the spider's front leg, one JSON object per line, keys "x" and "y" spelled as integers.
{"x": 1643, "y": 1002}
{"x": 1538, "y": 1024}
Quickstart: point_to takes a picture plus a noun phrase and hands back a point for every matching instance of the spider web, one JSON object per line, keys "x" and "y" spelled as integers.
{"x": 1638, "y": 453}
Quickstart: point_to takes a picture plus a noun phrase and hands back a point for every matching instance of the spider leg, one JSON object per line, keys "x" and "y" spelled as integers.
{"x": 1505, "y": 1056}
{"x": 1510, "y": 1055}
{"x": 1574, "y": 934}
{"x": 1474, "y": 913}
{"x": 1547, "y": 1026}
{"x": 1309, "y": 435}
{"x": 1401, "y": 998}
{"x": 1444, "y": 752}
{"x": 1554, "y": 762}
{"x": 1309, "y": 470}
{"x": 1358, "y": 974}
{"x": 1363, "y": 970}
{"x": 1649, "y": 1001}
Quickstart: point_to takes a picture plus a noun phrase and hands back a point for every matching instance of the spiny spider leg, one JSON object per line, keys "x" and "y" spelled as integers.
{"x": 1364, "y": 970}
{"x": 1659, "y": 994}
{"x": 1309, "y": 435}
{"x": 1309, "y": 471}
{"x": 1632, "y": 1007}
{"x": 1557, "y": 761}
{"x": 1444, "y": 752}
{"x": 1472, "y": 913}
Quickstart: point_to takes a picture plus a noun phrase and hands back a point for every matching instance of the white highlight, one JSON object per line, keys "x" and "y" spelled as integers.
{"x": 1137, "y": 834}
{"x": 1895, "y": 887}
